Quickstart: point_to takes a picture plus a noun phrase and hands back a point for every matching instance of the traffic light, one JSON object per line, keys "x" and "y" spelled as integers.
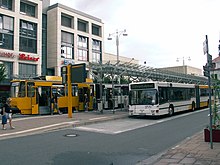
{"x": 206, "y": 71}
{"x": 64, "y": 74}
{"x": 209, "y": 59}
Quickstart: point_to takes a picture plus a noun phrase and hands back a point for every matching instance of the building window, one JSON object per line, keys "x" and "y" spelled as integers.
{"x": 66, "y": 21}
{"x": 6, "y": 32}
{"x": 6, "y": 4}
{"x": 67, "y": 45}
{"x": 82, "y": 48}
{"x": 96, "y": 50}
{"x": 27, "y": 70}
{"x": 96, "y": 30}
{"x": 82, "y": 25}
{"x": 28, "y": 37}
{"x": 27, "y": 9}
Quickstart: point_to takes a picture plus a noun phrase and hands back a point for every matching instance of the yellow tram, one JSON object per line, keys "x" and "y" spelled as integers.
{"x": 34, "y": 96}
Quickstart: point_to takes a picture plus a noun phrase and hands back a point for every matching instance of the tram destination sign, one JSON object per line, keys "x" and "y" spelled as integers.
{"x": 142, "y": 86}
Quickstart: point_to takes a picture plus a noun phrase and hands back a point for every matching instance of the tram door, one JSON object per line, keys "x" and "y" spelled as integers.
{"x": 43, "y": 99}
{"x": 82, "y": 92}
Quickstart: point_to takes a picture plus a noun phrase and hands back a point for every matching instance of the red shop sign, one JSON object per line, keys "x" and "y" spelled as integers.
{"x": 23, "y": 56}
{"x": 6, "y": 54}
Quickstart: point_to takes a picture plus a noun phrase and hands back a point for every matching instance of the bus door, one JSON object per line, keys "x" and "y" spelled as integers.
{"x": 109, "y": 98}
{"x": 104, "y": 97}
{"x": 44, "y": 95}
{"x": 197, "y": 97}
{"x": 116, "y": 96}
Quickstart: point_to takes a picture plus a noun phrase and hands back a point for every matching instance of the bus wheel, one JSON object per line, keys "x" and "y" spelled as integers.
{"x": 171, "y": 111}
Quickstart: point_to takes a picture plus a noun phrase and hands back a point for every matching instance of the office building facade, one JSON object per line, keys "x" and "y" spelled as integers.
{"x": 37, "y": 39}
{"x": 72, "y": 37}
{"x": 20, "y": 39}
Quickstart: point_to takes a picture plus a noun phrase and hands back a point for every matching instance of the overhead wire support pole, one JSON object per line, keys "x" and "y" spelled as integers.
{"x": 69, "y": 85}
{"x": 101, "y": 109}
{"x": 209, "y": 62}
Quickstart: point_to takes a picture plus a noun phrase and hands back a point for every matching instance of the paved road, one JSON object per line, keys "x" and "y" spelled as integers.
{"x": 126, "y": 141}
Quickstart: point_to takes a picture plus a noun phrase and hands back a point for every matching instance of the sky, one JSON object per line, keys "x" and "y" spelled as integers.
{"x": 159, "y": 31}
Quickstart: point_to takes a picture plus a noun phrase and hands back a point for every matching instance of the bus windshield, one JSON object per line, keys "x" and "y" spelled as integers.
{"x": 144, "y": 97}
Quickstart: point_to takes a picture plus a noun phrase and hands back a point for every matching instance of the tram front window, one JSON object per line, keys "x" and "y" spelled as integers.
{"x": 14, "y": 89}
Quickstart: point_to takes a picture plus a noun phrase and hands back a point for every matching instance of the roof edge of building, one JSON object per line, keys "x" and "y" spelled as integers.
{"x": 74, "y": 11}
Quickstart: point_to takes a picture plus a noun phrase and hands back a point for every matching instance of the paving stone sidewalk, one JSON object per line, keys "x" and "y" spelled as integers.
{"x": 192, "y": 151}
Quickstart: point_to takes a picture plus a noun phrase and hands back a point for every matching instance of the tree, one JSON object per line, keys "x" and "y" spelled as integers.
{"x": 2, "y": 72}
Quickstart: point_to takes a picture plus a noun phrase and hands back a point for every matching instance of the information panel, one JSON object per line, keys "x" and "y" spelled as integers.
{"x": 78, "y": 73}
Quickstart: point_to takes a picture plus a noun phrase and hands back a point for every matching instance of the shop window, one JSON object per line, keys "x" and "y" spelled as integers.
{"x": 27, "y": 70}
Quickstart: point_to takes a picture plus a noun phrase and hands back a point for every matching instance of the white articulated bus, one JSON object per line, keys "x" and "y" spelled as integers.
{"x": 161, "y": 98}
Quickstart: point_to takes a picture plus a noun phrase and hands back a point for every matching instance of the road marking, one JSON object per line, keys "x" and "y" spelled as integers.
{"x": 108, "y": 129}
{"x": 38, "y": 128}
{"x": 29, "y": 118}
{"x": 97, "y": 118}
{"x": 98, "y": 130}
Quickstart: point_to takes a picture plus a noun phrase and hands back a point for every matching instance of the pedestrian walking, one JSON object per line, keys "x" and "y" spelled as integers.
{"x": 94, "y": 103}
{"x": 86, "y": 102}
{"x": 7, "y": 114}
{"x": 3, "y": 113}
{"x": 54, "y": 101}
{"x": 126, "y": 106}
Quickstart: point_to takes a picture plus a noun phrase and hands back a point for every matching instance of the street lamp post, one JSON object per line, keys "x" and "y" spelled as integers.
{"x": 184, "y": 67}
{"x": 183, "y": 58}
{"x": 117, "y": 34}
